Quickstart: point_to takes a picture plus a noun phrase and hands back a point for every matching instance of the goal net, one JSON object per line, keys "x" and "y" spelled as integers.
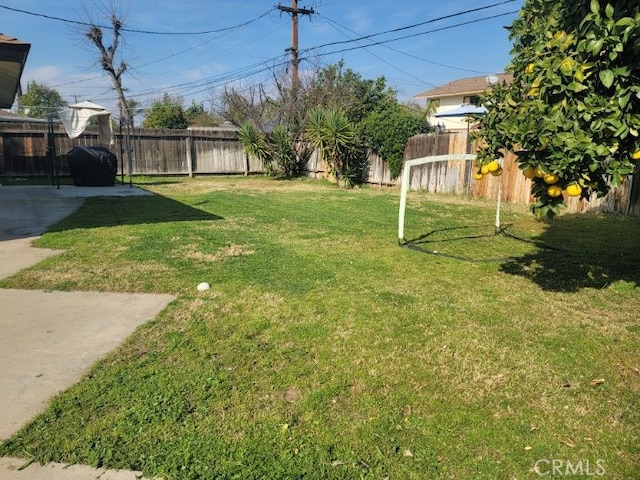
{"x": 406, "y": 182}
{"x": 472, "y": 235}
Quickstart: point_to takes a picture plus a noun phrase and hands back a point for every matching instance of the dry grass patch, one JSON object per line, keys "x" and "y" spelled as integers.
{"x": 194, "y": 252}
{"x": 110, "y": 276}
{"x": 253, "y": 184}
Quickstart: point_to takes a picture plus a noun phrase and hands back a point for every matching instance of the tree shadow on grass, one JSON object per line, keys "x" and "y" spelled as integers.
{"x": 597, "y": 250}
{"x": 134, "y": 210}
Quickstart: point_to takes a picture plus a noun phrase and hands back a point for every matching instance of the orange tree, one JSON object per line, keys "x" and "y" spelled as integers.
{"x": 572, "y": 111}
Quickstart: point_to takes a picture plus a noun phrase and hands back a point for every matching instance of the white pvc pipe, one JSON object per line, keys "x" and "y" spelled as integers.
{"x": 406, "y": 178}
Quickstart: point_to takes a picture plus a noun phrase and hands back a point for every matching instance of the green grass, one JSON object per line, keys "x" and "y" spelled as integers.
{"x": 323, "y": 350}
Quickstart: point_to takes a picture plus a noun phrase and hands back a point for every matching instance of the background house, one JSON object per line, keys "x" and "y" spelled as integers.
{"x": 454, "y": 94}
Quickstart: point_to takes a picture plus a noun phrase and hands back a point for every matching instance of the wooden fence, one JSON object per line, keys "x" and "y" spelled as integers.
{"x": 206, "y": 151}
{"x": 24, "y": 152}
{"x": 456, "y": 177}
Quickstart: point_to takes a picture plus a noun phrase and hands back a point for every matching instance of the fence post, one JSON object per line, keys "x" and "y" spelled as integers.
{"x": 189, "y": 155}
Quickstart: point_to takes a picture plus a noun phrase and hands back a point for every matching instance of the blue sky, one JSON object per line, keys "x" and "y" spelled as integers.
{"x": 198, "y": 67}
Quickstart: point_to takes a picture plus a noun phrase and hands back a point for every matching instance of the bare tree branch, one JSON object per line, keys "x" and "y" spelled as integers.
{"x": 107, "y": 59}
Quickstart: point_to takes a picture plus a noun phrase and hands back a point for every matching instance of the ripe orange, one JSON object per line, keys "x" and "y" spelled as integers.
{"x": 550, "y": 178}
{"x": 496, "y": 173}
{"x": 574, "y": 190}
{"x": 484, "y": 169}
{"x": 529, "y": 172}
{"x": 554, "y": 191}
{"x": 636, "y": 155}
{"x": 478, "y": 176}
{"x": 539, "y": 173}
{"x": 493, "y": 166}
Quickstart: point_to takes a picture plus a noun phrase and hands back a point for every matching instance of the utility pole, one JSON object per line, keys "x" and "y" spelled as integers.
{"x": 294, "y": 11}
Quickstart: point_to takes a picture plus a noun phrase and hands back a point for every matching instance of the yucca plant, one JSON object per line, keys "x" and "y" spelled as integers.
{"x": 314, "y": 133}
{"x": 282, "y": 150}
{"x": 331, "y": 132}
{"x": 313, "y": 129}
{"x": 254, "y": 143}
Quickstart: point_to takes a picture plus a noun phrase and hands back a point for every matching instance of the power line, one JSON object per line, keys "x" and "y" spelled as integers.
{"x": 222, "y": 83}
{"x": 397, "y": 50}
{"x": 255, "y": 69}
{"x": 202, "y": 85}
{"x": 241, "y": 73}
{"x": 383, "y": 42}
{"x": 395, "y": 67}
{"x": 199, "y": 86}
{"x": 83, "y": 80}
{"x": 131, "y": 30}
{"x": 407, "y": 27}
{"x": 246, "y": 72}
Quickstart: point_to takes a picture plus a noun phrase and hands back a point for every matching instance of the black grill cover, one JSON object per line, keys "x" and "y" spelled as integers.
{"x": 92, "y": 166}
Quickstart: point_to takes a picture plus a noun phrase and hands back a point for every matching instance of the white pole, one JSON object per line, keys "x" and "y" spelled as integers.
{"x": 498, "y": 206}
{"x": 189, "y": 159}
{"x": 499, "y": 203}
{"x": 406, "y": 177}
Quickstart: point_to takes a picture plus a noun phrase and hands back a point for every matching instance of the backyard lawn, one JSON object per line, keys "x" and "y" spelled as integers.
{"x": 324, "y": 350}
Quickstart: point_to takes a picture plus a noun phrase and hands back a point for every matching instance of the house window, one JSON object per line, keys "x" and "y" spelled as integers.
{"x": 435, "y": 103}
{"x": 471, "y": 100}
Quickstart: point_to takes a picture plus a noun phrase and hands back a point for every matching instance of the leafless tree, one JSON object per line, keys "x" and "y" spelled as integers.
{"x": 109, "y": 58}
{"x": 249, "y": 104}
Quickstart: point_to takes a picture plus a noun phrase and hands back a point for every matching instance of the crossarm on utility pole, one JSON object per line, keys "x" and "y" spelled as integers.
{"x": 294, "y": 11}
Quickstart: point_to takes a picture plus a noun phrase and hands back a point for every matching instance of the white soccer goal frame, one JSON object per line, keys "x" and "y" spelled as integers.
{"x": 406, "y": 180}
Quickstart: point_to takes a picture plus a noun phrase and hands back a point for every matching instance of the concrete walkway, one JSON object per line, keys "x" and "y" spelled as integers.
{"x": 49, "y": 340}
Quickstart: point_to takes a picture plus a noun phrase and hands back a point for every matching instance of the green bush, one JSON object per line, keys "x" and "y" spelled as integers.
{"x": 386, "y": 131}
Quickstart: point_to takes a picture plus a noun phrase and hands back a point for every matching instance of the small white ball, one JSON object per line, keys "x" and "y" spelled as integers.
{"x": 203, "y": 286}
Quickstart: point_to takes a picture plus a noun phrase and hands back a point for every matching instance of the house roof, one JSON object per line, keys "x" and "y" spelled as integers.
{"x": 463, "y": 86}
{"x": 13, "y": 55}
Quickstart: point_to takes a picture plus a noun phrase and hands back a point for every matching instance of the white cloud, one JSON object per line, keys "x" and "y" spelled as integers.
{"x": 45, "y": 74}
